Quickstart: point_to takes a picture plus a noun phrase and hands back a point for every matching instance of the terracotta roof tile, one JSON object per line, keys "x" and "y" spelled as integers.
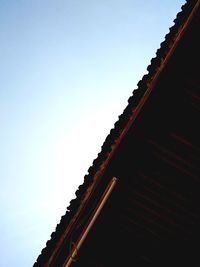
{"x": 116, "y": 131}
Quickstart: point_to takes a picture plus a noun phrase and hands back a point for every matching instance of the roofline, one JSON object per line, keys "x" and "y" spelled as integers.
{"x": 146, "y": 85}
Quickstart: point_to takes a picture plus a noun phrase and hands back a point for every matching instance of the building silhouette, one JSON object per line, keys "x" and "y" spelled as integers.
{"x": 139, "y": 205}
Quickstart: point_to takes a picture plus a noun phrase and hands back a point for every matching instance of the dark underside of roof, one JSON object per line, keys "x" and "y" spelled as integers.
{"x": 153, "y": 215}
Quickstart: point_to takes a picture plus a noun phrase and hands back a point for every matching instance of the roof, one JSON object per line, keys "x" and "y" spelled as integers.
{"x": 135, "y": 104}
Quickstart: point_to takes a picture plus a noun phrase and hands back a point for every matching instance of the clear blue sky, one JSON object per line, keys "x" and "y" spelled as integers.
{"x": 67, "y": 69}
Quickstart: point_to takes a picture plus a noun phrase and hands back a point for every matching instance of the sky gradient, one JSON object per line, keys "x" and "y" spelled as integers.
{"x": 67, "y": 69}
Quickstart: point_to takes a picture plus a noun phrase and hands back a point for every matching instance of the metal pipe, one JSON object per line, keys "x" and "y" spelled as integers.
{"x": 91, "y": 221}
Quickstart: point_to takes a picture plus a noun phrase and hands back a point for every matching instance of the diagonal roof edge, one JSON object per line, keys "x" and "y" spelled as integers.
{"x": 135, "y": 103}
